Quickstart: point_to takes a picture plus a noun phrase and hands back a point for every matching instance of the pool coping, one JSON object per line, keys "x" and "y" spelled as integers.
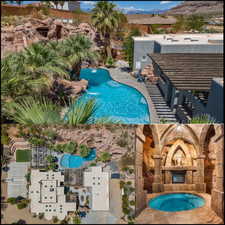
{"x": 130, "y": 81}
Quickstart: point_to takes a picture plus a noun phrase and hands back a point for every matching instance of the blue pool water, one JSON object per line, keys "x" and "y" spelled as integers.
{"x": 75, "y": 161}
{"x": 116, "y": 101}
{"x": 176, "y": 202}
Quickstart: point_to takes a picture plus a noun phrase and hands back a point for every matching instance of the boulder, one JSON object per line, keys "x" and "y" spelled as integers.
{"x": 75, "y": 86}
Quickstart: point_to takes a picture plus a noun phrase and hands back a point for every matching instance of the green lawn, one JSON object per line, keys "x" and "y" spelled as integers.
{"x": 23, "y": 155}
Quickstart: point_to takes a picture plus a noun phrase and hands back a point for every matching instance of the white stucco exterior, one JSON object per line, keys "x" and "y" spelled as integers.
{"x": 98, "y": 181}
{"x": 46, "y": 193}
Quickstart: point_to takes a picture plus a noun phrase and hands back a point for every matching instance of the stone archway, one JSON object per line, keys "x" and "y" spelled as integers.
{"x": 178, "y": 149}
{"x": 187, "y": 134}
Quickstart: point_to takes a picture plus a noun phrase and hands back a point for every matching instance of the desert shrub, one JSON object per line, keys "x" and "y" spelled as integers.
{"x": 110, "y": 62}
{"x": 84, "y": 150}
{"x": 21, "y": 205}
{"x": 41, "y": 216}
{"x": 55, "y": 219}
{"x": 122, "y": 142}
{"x": 12, "y": 201}
{"x": 105, "y": 156}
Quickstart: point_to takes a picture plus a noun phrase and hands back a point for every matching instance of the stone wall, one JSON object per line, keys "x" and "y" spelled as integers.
{"x": 217, "y": 201}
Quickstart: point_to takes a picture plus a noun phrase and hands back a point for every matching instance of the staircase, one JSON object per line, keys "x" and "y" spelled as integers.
{"x": 212, "y": 218}
{"x": 163, "y": 111}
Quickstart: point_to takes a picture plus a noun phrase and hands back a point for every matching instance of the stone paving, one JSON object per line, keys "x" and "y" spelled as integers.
{"x": 202, "y": 215}
{"x": 120, "y": 75}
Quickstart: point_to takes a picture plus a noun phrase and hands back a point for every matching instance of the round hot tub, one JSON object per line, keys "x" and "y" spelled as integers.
{"x": 176, "y": 202}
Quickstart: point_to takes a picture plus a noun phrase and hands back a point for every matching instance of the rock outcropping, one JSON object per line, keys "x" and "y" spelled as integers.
{"x": 74, "y": 87}
{"x": 15, "y": 38}
{"x": 197, "y": 7}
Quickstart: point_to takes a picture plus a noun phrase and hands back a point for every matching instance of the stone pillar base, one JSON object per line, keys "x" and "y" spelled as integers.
{"x": 141, "y": 202}
{"x": 157, "y": 187}
{"x": 217, "y": 202}
{"x": 200, "y": 187}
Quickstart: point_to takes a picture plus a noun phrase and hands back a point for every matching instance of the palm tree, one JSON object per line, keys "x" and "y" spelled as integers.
{"x": 15, "y": 83}
{"x": 41, "y": 60}
{"x": 75, "y": 50}
{"x": 107, "y": 20}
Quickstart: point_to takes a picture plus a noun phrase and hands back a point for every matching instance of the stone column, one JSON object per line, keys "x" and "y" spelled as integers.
{"x": 217, "y": 197}
{"x": 141, "y": 195}
{"x": 157, "y": 186}
{"x": 168, "y": 177}
{"x": 188, "y": 178}
{"x": 200, "y": 185}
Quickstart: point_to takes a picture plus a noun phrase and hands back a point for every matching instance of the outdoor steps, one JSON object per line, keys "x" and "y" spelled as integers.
{"x": 212, "y": 218}
{"x": 162, "y": 109}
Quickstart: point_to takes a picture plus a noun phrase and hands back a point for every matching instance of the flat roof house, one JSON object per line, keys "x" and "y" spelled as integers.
{"x": 144, "y": 22}
{"x": 98, "y": 181}
{"x": 47, "y": 196}
{"x": 174, "y": 43}
{"x": 67, "y": 5}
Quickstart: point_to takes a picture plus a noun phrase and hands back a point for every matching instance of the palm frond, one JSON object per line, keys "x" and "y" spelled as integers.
{"x": 34, "y": 111}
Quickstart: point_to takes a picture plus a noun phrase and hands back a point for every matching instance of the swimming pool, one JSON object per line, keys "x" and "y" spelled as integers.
{"x": 117, "y": 101}
{"x": 76, "y": 161}
{"x": 176, "y": 202}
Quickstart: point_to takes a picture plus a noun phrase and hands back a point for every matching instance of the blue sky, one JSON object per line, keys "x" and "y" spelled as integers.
{"x": 129, "y": 5}
{"x": 140, "y": 5}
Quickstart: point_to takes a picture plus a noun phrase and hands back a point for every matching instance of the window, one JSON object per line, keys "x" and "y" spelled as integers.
{"x": 178, "y": 177}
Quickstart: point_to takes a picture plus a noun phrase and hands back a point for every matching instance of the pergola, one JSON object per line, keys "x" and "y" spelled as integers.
{"x": 189, "y": 71}
{"x": 187, "y": 80}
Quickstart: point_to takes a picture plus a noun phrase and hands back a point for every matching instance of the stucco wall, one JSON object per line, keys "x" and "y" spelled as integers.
{"x": 203, "y": 48}
{"x": 144, "y": 47}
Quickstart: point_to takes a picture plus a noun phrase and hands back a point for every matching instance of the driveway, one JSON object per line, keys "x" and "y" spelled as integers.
{"x": 99, "y": 217}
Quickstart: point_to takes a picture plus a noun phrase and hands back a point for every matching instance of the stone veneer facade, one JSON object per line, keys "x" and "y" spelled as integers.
{"x": 195, "y": 149}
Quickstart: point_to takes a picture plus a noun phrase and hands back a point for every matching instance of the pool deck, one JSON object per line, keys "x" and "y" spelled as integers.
{"x": 201, "y": 215}
{"x": 124, "y": 77}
